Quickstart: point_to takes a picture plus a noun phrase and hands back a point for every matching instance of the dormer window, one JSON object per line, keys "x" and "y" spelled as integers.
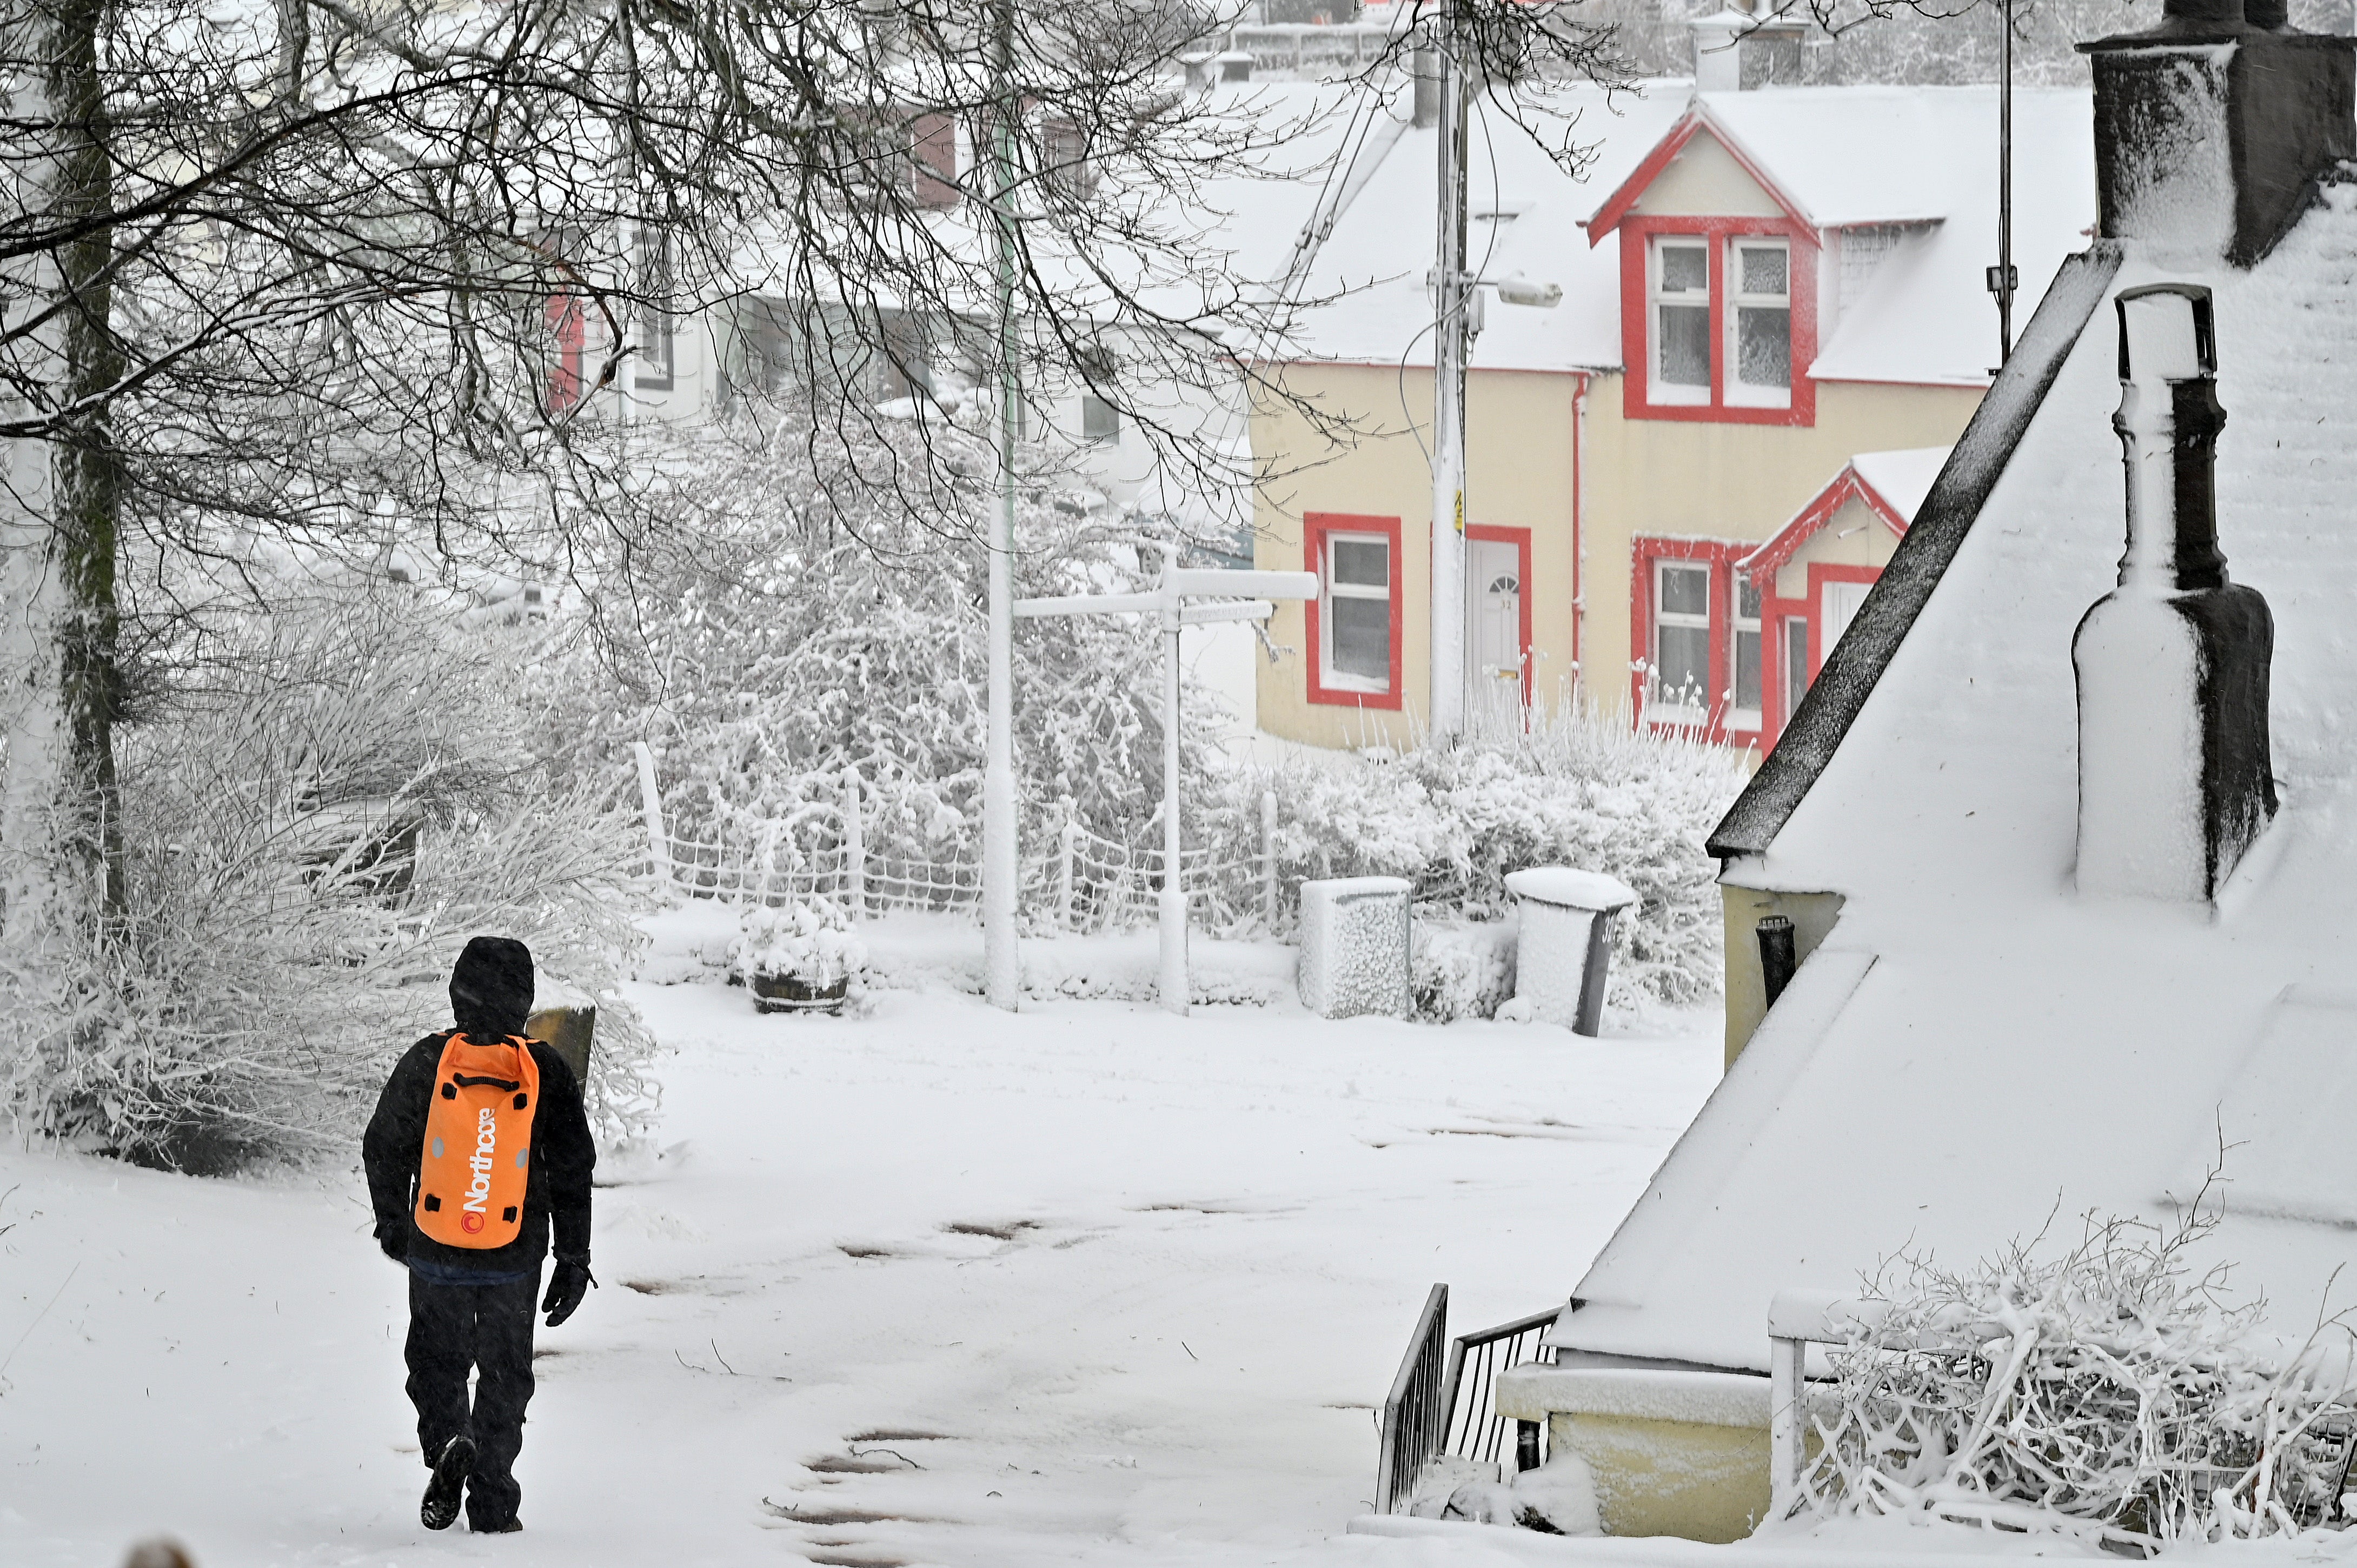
{"x": 1759, "y": 323}
{"x": 1680, "y": 318}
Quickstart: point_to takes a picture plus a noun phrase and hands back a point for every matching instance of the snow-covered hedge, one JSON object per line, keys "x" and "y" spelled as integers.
{"x": 310, "y": 837}
{"x": 2112, "y": 1393}
{"x": 1580, "y": 788}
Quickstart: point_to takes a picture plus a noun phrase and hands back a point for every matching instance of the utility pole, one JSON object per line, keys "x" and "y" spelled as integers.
{"x": 2002, "y": 279}
{"x": 1451, "y": 342}
{"x": 1002, "y": 959}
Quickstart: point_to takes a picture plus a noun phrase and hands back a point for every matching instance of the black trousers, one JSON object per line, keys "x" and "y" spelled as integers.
{"x": 487, "y": 1328}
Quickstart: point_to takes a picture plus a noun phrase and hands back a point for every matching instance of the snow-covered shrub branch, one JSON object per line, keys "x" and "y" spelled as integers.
{"x": 310, "y": 837}
{"x": 2113, "y": 1393}
{"x": 1578, "y": 789}
{"x": 791, "y": 623}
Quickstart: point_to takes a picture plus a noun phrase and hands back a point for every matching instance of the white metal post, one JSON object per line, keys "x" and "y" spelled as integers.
{"x": 1451, "y": 342}
{"x": 1002, "y": 958}
{"x": 854, "y": 848}
{"x": 1172, "y": 986}
{"x": 650, "y": 803}
{"x": 1173, "y": 614}
{"x": 1785, "y": 1389}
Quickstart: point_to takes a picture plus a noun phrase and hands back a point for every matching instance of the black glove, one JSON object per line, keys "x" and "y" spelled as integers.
{"x": 565, "y": 1288}
{"x": 394, "y": 1240}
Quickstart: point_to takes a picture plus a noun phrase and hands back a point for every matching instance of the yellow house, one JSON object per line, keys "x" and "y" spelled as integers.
{"x": 1759, "y": 288}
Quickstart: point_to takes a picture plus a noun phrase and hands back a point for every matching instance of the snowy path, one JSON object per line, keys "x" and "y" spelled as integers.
{"x": 1092, "y": 1284}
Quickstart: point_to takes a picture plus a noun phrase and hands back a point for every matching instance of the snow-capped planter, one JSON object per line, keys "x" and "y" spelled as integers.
{"x": 1355, "y": 946}
{"x": 797, "y": 958}
{"x": 1566, "y": 946}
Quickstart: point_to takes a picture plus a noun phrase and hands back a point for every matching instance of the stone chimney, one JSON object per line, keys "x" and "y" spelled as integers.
{"x": 2212, "y": 129}
{"x": 2175, "y": 782}
{"x": 1738, "y": 50}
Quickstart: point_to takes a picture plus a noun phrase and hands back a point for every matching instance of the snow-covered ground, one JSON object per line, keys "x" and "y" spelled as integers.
{"x": 937, "y": 1285}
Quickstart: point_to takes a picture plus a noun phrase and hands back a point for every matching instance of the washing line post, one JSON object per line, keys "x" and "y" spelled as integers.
{"x": 854, "y": 848}
{"x": 651, "y": 804}
{"x": 1167, "y": 602}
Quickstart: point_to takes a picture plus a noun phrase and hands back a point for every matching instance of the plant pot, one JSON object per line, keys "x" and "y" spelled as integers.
{"x": 791, "y": 993}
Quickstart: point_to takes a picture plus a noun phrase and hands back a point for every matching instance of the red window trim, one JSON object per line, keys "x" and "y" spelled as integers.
{"x": 1314, "y": 527}
{"x": 1720, "y": 555}
{"x": 569, "y": 324}
{"x": 1637, "y": 235}
{"x": 1776, "y": 616}
{"x": 1520, "y": 538}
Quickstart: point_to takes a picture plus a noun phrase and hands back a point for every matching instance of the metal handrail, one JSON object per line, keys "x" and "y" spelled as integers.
{"x": 1476, "y": 1431}
{"x": 1415, "y": 1412}
{"x": 1435, "y": 1409}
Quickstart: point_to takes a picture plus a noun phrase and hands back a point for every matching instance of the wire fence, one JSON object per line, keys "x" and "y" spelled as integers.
{"x": 1070, "y": 878}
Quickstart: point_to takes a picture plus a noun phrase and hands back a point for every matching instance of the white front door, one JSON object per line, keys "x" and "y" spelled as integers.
{"x": 1841, "y": 601}
{"x": 1494, "y": 620}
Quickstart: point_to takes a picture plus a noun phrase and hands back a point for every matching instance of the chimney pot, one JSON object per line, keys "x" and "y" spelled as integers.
{"x": 2175, "y": 777}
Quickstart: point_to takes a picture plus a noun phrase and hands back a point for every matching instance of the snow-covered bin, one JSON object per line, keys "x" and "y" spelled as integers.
{"x": 1566, "y": 946}
{"x": 1355, "y": 946}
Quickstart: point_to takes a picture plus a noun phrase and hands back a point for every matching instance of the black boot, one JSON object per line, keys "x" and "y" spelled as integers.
{"x": 440, "y": 1504}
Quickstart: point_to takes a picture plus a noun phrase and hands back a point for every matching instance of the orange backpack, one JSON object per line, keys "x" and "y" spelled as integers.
{"x": 477, "y": 1158}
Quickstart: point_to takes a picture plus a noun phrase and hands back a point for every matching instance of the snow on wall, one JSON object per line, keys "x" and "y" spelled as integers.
{"x": 1355, "y": 946}
{"x": 1536, "y": 1390}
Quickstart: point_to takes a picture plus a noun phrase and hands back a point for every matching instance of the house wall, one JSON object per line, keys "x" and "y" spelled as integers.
{"x": 1705, "y": 179}
{"x": 1670, "y": 1478}
{"x": 1695, "y": 478}
{"x": 1855, "y": 535}
{"x": 1742, "y": 908}
{"x": 1520, "y": 468}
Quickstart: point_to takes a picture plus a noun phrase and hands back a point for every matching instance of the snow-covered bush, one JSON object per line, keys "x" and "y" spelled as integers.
{"x": 1580, "y": 788}
{"x": 2111, "y": 1393}
{"x": 810, "y": 940}
{"x": 310, "y": 836}
{"x": 802, "y": 616}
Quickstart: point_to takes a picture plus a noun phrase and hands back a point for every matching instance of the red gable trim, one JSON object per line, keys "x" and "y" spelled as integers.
{"x": 1618, "y": 205}
{"x": 1787, "y": 540}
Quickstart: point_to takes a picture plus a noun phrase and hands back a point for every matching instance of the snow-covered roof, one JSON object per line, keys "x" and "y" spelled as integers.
{"x": 1901, "y": 478}
{"x": 1891, "y": 483}
{"x": 1840, "y": 156}
{"x": 1976, "y": 1049}
{"x": 1526, "y": 213}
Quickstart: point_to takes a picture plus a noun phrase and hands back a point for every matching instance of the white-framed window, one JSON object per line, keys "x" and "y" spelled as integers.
{"x": 1678, "y": 312}
{"x": 1744, "y": 651}
{"x": 1759, "y": 323}
{"x": 1682, "y": 677}
{"x": 1355, "y": 619}
{"x": 1100, "y": 420}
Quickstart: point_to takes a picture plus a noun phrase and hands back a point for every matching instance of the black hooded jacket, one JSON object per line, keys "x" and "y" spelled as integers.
{"x": 491, "y": 995}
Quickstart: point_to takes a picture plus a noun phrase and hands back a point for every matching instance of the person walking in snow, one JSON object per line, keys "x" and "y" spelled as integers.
{"x": 480, "y": 1148}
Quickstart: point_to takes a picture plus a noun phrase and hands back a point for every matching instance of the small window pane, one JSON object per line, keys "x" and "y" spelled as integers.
{"x": 1764, "y": 269}
{"x": 1685, "y": 590}
{"x": 1363, "y": 562}
{"x": 1747, "y": 599}
{"x": 1685, "y": 269}
{"x": 1100, "y": 421}
{"x": 1763, "y": 348}
{"x": 1746, "y": 670}
{"x": 1796, "y": 664}
{"x": 1682, "y": 664}
{"x": 1686, "y": 344}
{"x": 1362, "y": 639}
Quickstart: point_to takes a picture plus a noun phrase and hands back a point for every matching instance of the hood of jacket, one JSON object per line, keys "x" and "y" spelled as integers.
{"x": 491, "y": 988}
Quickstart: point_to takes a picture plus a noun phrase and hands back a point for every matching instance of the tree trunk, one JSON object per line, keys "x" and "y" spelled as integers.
{"x": 60, "y": 818}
